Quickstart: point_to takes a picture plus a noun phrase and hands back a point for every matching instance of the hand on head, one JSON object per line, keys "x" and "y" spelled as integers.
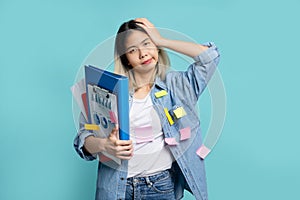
{"x": 151, "y": 30}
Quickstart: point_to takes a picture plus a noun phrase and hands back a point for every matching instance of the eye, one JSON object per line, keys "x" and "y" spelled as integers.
{"x": 132, "y": 50}
{"x": 146, "y": 43}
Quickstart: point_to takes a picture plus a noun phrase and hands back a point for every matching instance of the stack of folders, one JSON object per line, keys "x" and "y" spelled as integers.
{"x": 103, "y": 99}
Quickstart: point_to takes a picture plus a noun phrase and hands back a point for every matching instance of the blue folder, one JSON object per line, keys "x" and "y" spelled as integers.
{"x": 117, "y": 85}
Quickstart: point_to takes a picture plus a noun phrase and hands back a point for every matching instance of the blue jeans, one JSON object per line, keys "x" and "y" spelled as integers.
{"x": 158, "y": 187}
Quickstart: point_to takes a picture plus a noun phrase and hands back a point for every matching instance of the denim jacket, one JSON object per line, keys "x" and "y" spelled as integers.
{"x": 183, "y": 90}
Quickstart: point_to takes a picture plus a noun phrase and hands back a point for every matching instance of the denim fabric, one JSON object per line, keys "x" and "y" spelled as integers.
{"x": 183, "y": 90}
{"x": 159, "y": 186}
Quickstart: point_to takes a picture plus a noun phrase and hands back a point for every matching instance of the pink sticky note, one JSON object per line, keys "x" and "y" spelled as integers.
{"x": 185, "y": 133}
{"x": 113, "y": 117}
{"x": 144, "y": 134}
{"x": 203, "y": 151}
{"x": 171, "y": 141}
{"x": 103, "y": 158}
{"x": 85, "y": 103}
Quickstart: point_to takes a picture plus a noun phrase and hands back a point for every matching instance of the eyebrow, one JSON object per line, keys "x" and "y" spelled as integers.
{"x": 140, "y": 43}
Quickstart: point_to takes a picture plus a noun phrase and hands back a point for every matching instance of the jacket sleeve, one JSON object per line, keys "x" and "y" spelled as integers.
{"x": 193, "y": 81}
{"x": 80, "y": 138}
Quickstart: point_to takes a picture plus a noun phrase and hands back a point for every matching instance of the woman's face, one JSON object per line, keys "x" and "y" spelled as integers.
{"x": 141, "y": 52}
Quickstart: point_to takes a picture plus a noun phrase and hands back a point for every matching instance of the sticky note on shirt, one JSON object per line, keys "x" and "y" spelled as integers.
{"x": 185, "y": 133}
{"x": 143, "y": 134}
{"x": 168, "y": 116}
{"x": 171, "y": 141}
{"x": 113, "y": 117}
{"x": 179, "y": 112}
{"x": 91, "y": 127}
{"x": 203, "y": 151}
{"x": 160, "y": 93}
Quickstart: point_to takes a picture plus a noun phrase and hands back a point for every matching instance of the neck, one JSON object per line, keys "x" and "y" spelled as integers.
{"x": 141, "y": 92}
{"x": 144, "y": 79}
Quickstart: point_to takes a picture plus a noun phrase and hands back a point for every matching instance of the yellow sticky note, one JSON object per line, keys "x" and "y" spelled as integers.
{"x": 169, "y": 116}
{"x": 160, "y": 93}
{"x": 179, "y": 112}
{"x": 92, "y": 127}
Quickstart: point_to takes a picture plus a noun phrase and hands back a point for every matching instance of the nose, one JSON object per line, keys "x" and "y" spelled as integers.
{"x": 143, "y": 53}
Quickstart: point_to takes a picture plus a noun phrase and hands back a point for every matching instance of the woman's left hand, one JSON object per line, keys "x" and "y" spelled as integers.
{"x": 151, "y": 30}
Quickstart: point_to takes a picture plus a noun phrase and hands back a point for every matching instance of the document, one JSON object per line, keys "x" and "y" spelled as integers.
{"x": 103, "y": 112}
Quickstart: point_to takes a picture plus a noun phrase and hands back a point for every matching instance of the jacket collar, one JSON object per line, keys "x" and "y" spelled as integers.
{"x": 158, "y": 83}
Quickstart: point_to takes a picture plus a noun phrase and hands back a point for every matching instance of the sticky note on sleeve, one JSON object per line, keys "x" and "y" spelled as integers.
{"x": 171, "y": 141}
{"x": 185, "y": 133}
{"x": 179, "y": 112}
{"x": 160, "y": 93}
{"x": 203, "y": 151}
{"x": 168, "y": 116}
{"x": 91, "y": 127}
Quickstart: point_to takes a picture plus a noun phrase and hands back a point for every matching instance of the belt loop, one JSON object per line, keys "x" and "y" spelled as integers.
{"x": 149, "y": 183}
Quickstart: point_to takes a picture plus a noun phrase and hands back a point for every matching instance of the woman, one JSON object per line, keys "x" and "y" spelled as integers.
{"x": 160, "y": 160}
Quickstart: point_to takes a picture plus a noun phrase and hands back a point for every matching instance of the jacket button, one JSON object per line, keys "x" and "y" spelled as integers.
{"x": 122, "y": 179}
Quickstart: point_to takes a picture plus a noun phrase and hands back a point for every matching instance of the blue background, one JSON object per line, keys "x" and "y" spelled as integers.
{"x": 43, "y": 43}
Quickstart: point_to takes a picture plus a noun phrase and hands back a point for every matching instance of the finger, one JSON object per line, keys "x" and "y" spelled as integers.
{"x": 114, "y": 132}
{"x": 140, "y": 20}
{"x": 124, "y": 148}
{"x": 144, "y": 21}
{"x": 125, "y": 155}
{"x": 123, "y": 142}
{"x": 117, "y": 127}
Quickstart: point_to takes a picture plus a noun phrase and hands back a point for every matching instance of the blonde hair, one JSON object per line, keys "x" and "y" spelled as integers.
{"x": 121, "y": 62}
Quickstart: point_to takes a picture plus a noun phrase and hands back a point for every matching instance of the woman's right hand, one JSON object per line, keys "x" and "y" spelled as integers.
{"x": 122, "y": 149}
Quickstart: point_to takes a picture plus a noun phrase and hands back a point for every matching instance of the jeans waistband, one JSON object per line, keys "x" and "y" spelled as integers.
{"x": 146, "y": 179}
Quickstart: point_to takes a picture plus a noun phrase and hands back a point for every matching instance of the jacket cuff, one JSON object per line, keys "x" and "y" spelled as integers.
{"x": 208, "y": 55}
{"x": 80, "y": 148}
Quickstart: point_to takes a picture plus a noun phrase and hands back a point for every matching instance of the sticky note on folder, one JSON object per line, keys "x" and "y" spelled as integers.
{"x": 91, "y": 127}
{"x": 113, "y": 117}
{"x": 103, "y": 158}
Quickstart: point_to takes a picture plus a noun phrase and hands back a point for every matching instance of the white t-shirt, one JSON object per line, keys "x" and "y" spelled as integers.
{"x": 150, "y": 154}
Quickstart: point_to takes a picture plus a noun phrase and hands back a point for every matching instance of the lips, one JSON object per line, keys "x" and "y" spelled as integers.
{"x": 147, "y": 61}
